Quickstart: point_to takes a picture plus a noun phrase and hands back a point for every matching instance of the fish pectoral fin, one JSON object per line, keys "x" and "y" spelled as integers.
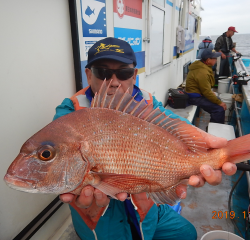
{"x": 168, "y": 195}
{"x": 108, "y": 189}
{"x": 112, "y": 183}
{"x": 107, "y": 183}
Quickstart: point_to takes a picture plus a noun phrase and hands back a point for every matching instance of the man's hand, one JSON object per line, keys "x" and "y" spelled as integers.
{"x": 88, "y": 196}
{"x": 223, "y": 56}
{"x": 223, "y": 105}
{"x": 213, "y": 177}
{"x": 208, "y": 174}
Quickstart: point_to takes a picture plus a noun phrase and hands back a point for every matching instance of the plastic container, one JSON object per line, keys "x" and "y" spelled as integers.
{"x": 221, "y": 130}
{"x": 223, "y": 85}
{"x": 222, "y": 77}
{"x": 220, "y": 235}
{"x": 177, "y": 207}
{"x": 227, "y": 99}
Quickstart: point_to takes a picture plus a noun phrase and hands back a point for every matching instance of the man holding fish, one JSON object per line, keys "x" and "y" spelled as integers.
{"x": 111, "y": 58}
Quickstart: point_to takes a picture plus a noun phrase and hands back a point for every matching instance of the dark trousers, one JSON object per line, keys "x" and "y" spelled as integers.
{"x": 217, "y": 113}
{"x": 225, "y": 67}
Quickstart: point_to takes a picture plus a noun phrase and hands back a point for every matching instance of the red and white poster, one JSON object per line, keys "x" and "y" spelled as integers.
{"x": 131, "y": 8}
{"x": 128, "y": 22}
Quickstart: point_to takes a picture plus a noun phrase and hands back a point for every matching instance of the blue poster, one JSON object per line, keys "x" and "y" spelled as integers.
{"x": 189, "y": 34}
{"x": 132, "y": 36}
{"x": 94, "y": 18}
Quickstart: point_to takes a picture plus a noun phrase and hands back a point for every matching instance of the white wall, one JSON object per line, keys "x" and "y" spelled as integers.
{"x": 36, "y": 74}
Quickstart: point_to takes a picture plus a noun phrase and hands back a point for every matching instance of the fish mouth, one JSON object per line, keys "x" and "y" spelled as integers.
{"x": 20, "y": 184}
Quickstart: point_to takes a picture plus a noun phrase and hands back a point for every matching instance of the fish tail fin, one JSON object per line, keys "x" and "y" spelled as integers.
{"x": 238, "y": 150}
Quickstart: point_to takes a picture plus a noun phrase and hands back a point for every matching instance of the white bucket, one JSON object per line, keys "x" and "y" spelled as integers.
{"x": 220, "y": 235}
{"x": 227, "y": 99}
{"x": 223, "y": 85}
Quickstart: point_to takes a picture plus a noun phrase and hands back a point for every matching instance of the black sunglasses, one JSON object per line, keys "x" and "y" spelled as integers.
{"x": 122, "y": 74}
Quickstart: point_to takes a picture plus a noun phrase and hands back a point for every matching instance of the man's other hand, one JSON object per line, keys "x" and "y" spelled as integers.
{"x": 223, "y": 56}
{"x": 223, "y": 105}
{"x": 88, "y": 195}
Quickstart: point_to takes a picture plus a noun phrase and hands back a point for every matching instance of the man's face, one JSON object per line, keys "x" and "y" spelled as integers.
{"x": 96, "y": 83}
{"x": 211, "y": 61}
{"x": 230, "y": 33}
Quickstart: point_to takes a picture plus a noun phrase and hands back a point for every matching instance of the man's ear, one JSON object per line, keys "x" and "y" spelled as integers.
{"x": 134, "y": 77}
{"x": 207, "y": 62}
{"x": 88, "y": 73}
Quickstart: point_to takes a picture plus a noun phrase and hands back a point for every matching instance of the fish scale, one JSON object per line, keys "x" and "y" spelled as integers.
{"x": 136, "y": 158}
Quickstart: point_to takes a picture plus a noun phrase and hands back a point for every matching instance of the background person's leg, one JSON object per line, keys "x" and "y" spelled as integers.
{"x": 217, "y": 113}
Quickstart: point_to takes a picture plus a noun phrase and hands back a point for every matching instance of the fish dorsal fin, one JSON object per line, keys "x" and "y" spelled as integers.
{"x": 126, "y": 103}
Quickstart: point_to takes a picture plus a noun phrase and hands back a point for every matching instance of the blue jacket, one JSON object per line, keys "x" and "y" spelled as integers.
{"x": 113, "y": 224}
{"x": 206, "y": 43}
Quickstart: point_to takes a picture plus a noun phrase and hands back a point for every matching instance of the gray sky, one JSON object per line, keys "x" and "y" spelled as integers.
{"x": 218, "y": 15}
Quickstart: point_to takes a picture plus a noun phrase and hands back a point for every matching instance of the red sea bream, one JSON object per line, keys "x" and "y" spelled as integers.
{"x": 118, "y": 145}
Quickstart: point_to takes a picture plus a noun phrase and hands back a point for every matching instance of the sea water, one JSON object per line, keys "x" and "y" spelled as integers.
{"x": 242, "y": 44}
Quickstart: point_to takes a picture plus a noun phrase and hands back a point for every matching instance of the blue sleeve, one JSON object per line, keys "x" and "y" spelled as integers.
{"x": 64, "y": 108}
{"x": 167, "y": 111}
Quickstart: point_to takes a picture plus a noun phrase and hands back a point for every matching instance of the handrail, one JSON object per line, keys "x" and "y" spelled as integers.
{"x": 240, "y": 134}
{"x": 237, "y": 116}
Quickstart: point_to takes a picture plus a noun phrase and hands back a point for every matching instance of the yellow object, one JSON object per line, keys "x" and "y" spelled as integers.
{"x": 238, "y": 97}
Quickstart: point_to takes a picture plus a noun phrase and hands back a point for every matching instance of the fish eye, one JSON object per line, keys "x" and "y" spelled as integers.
{"x": 46, "y": 153}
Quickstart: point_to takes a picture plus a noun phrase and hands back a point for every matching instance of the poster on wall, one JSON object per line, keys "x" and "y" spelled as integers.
{"x": 128, "y": 27}
{"x": 189, "y": 34}
{"x": 93, "y": 19}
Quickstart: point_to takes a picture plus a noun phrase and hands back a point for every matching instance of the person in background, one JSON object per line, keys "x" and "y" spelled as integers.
{"x": 112, "y": 58}
{"x": 206, "y": 43}
{"x": 199, "y": 83}
{"x": 224, "y": 44}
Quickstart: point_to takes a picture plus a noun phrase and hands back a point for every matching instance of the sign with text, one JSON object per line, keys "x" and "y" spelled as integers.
{"x": 128, "y": 22}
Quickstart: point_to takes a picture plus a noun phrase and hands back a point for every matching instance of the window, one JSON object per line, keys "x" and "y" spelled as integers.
{"x": 156, "y": 38}
{"x": 159, "y": 32}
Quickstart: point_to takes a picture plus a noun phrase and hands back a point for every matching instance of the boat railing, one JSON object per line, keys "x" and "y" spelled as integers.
{"x": 243, "y": 75}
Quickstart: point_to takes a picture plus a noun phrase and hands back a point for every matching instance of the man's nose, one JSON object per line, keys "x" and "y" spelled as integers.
{"x": 115, "y": 81}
